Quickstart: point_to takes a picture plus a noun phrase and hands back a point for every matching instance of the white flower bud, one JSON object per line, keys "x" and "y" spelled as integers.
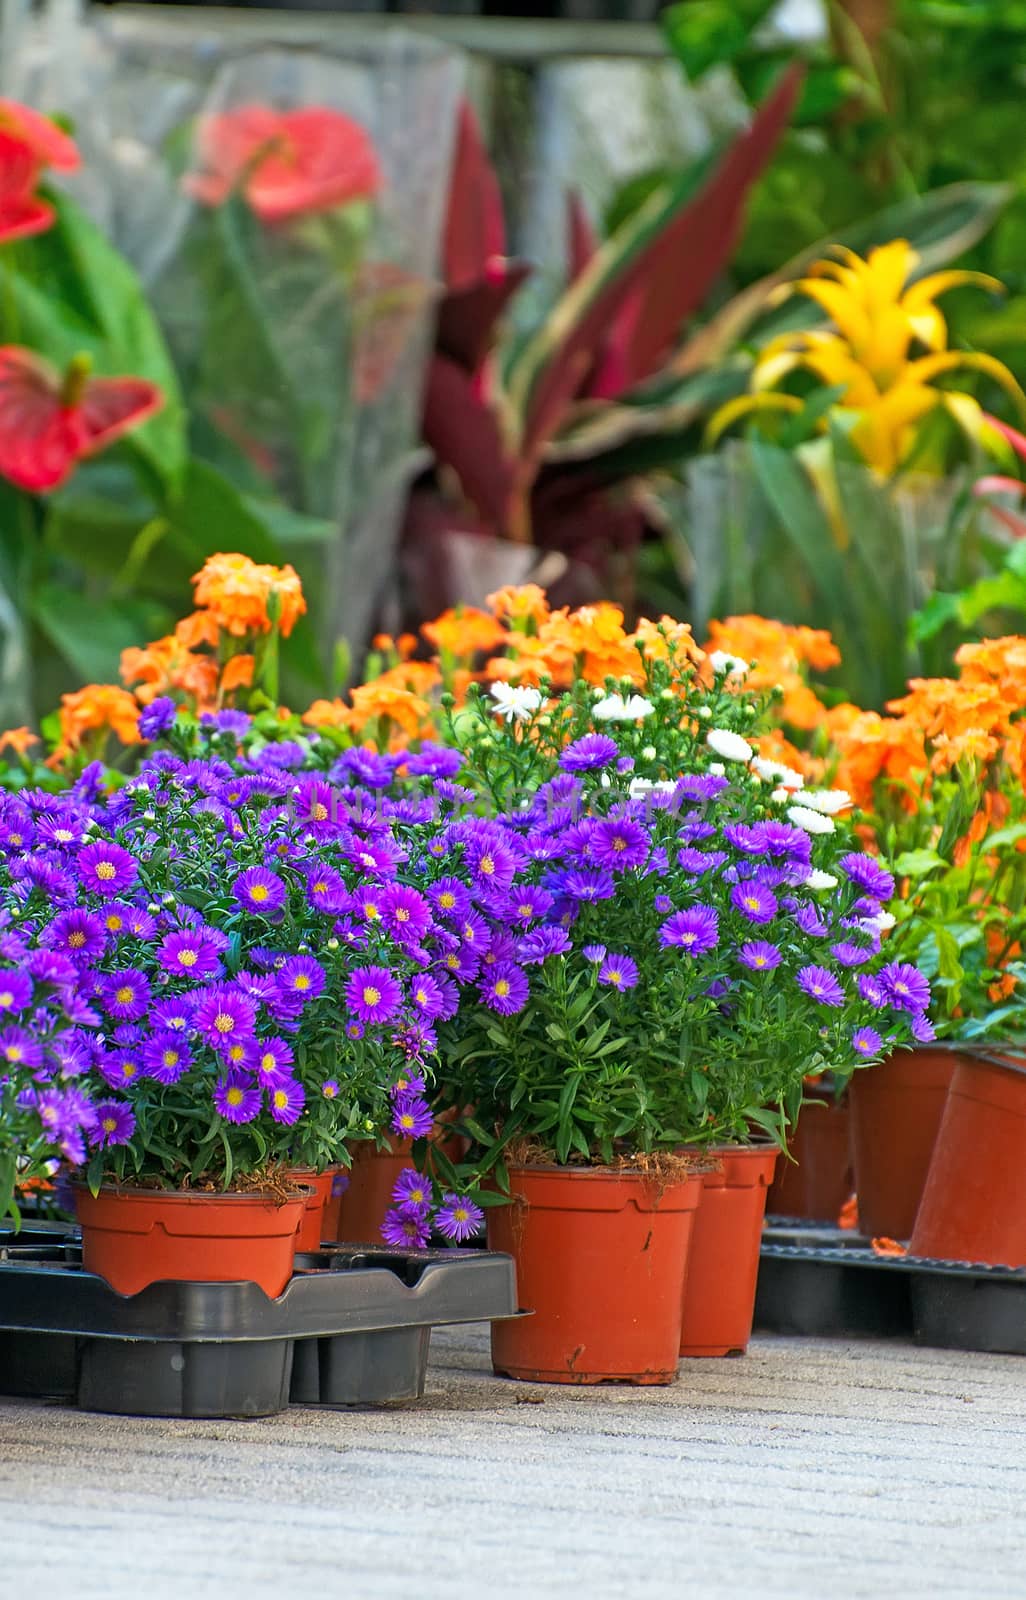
{"x": 810, "y": 821}
{"x": 729, "y": 745}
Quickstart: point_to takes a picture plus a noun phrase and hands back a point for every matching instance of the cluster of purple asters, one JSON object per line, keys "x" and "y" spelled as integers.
{"x": 409, "y": 1222}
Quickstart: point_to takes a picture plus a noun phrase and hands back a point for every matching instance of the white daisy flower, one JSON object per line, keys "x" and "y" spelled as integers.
{"x": 729, "y": 745}
{"x": 811, "y": 821}
{"x": 722, "y": 662}
{"x": 614, "y": 708}
{"x": 829, "y": 801}
{"x": 515, "y": 702}
{"x": 785, "y": 776}
{"x": 820, "y": 880}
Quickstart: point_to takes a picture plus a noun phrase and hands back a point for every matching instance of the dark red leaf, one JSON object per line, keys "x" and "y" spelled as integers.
{"x": 462, "y": 431}
{"x": 475, "y": 232}
{"x": 467, "y": 318}
{"x": 581, "y": 242}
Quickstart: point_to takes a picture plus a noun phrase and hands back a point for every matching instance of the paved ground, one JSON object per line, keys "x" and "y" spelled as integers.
{"x": 808, "y": 1469}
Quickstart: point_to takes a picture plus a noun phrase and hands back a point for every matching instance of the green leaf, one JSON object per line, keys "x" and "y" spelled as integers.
{"x": 934, "y": 616}
{"x": 949, "y": 964}
{"x": 91, "y": 637}
{"x": 709, "y": 33}
{"x": 918, "y": 863}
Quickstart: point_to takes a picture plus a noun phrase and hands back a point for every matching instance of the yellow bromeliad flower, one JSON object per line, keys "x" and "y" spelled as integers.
{"x": 887, "y": 348}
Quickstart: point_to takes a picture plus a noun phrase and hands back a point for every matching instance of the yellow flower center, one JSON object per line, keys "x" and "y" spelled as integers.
{"x": 106, "y": 870}
{"x": 16, "y": 838}
{"x": 619, "y": 844}
{"x": 319, "y": 812}
{"x": 14, "y": 1052}
{"x": 320, "y": 887}
{"x": 461, "y": 1214}
{"x": 452, "y": 960}
{"x": 268, "y": 1062}
{"x": 421, "y": 997}
{"x": 77, "y": 939}
{"x": 760, "y": 961}
{"x": 406, "y": 1120}
{"x": 188, "y": 958}
{"x": 447, "y": 900}
{"x": 234, "y": 1096}
{"x": 371, "y": 996}
{"x": 128, "y": 1070}
{"x": 259, "y": 892}
{"x": 371, "y": 911}
{"x": 402, "y": 915}
{"x": 486, "y": 865}
{"x": 281, "y": 1099}
{"x": 124, "y": 996}
{"x": 613, "y": 976}
{"x": 502, "y": 988}
{"x": 237, "y": 1052}
{"x": 109, "y": 1124}
{"x": 115, "y": 923}
{"x": 302, "y": 982}
{"x": 170, "y": 1058}
{"x": 751, "y": 902}
{"x": 224, "y": 1022}
{"x": 63, "y": 835}
{"x": 6, "y": 999}
{"x": 525, "y": 910}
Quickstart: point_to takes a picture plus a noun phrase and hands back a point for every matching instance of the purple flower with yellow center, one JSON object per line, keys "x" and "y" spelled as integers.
{"x": 850, "y": 954}
{"x": 15, "y": 992}
{"x": 406, "y": 1227}
{"x": 866, "y": 1042}
{"x": 588, "y": 884}
{"x": 587, "y": 754}
{"x": 354, "y": 1029}
{"x": 114, "y": 1124}
{"x": 474, "y": 931}
{"x": 461, "y": 964}
{"x": 78, "y": 934}
{"x": 326, "y": 890}
{"x": 619, "y": 844}
{"x": 409, "y": 1082}
{"x": 491, "y": 865}
{"x": 157, "y": 718}
{"x": 411, "y": 1188}
{"x": 236, "y": 1097}
{"x": 695, "y": 931}
{"x": 821, "y": 985}
{"x": 529, "y": 904}
{"x": 780, "y": 839}
{"x": 329, "y": 1088}
{"x": 126, "y": 994}
{"x": 191, "y": 953}
{"x": 19, "y": 1048}
{"x": 904, "y": 986}
{"x": 754, "y": 901}
{"x": 367, "y": 903}
{"x": 458, "y": 1218}
{"x": 121, "y": 1068}
{"x": 166, "y": 1056}
{"x": 618, "y": 972}
{"x": 174, "y": 1014}
{"x": 867, "y": 875}
{"x": 285, "y": 1101}
{"x": 373, "y": 994}
{"x": 536, "y": 946}
{"x": 270, "y": 1060}
{"x": 301, "y": 979}
{"x": 412, "y": 1117}
{"x": 117, "y": 918}
{"x": 505, "y": 990}
{"x": 758, "y": 955}
{"x": 426, "y": 996}
{"x": 223, "y": 1016}
{"x": 316, "y": 805}
{"x": 663, "y": 904}
{"x": 259, "y": 890}
{"x": 106, "y": 868}
{"x": 450, "y": 898}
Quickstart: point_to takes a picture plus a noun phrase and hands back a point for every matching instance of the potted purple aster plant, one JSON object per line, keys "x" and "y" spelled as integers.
{"x": 254, "y": 968}
{"x": 676, "y": 954}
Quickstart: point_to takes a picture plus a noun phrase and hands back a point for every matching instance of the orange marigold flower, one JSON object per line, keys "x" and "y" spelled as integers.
{"x": 524, "y": 602}
{"x": 200, "y": 627}
{"x": 18, "y": 739}
{"x": 409, "y": 711}
{"x": 98, "y": 708}
{"x": 237, "y": 673}
{"x": 237, "y": 591}
{"x": 464, "y": 631}
{"x": 328, "y": 714}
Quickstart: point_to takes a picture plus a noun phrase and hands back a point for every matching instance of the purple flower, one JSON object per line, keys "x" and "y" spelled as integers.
{"x": 619, "y": 844}
{"x": 15, "y": 992}
{"x": 541, "y": 943}
{"x": 426, "y": 996}
{"x": 223, "y": 1017}
{"x": 158, "y": 716}
{"x": 594, "y": 952}
{"x": 19, "y": 1048}
{"x": 696, "y": 830}
{"x": 759, "y": 956}
{"x": 923, "y": 1030}
{"x": 462, "y": 963}
{"x": 695, "y": 931}
{"x": 166, "y": 1056}
{"x": 699, "y": 861}
{"x": 121, "y": 919}
{"x": 406, "y": 1227}
{"x": 754, "y": 901}
{"x": 588, "y": 884}
{"x": 366, "y": 766}
{"x": 412, "y": 1189}
{"x": 866, "y": 1042}
{"x": 191, "y": 953}
{"x": 867, "y": 875}
{"x": 236, "y": 1097}
{"x": 329, "y": 1088}
{"x": 741, "y": 837}
{"x": 529, "y": 904}
{"x": 270, "y": 1060}
{"x": 126, "y": 994}
{"x": 285, "y": 1101}
{"x": 821, "y": 985}
{"x": 701, "y": 786}
{"x": 432, "y": 761}
{"x": 259, "y": 890}
{"x": 326, "y": 890}
{"x": 809, "y": 921}
{"x": 373, "y": 993}
{"x": 870, "y": 989}
{"x": 79, "y": 934}
{"x": 174, "y": 1014}
{"x": 450, "y": 898}
{"x": 114, "y": 1124}
{"x": 301, "y": 979}
{"x": 405, "y": 912}
{"x": 904, "y": 986}
{"x": 492, "y": 865}
{"x": 458, "y": 1218}
{"x": 618, "y": 972}
{"x": 412, "y": 1117}
{"x": 584, "y": 755}
{"x": 850, "y": 954}
{"x": 120, "y": 1068}
{"x": 505, "y": 990}
{"x": 106, "y": 868}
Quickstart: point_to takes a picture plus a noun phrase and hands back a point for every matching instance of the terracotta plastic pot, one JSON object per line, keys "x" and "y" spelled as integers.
{"x": 600, "y": 1259}
{"x": 368, "y": 1194}
{"x": 974, "y": 1203}
{"x": 719, "y": 1291}
{"x": 819, "y": 1177}
{"x": 135, "y": 1237}
{"x": 896, "y": 1110}
{"x": 311, "y": 1228}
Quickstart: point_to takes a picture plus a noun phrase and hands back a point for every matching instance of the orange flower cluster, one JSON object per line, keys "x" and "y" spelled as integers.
{"x": 100, "y": 708}
{"x": 237, "y": 594}
{"x": 780, "y": 655}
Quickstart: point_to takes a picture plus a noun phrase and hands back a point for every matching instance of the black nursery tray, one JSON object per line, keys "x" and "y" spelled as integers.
{"x": 829, "y": 1283}
{"x": 352, "y": 1327}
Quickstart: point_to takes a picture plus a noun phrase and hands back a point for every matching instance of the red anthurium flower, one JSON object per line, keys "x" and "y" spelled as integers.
{"x": 287, "y": 163}
{"x": 50, "y": 145}
{"x": 28, "y": 142}
{"x": 50, "y": 422}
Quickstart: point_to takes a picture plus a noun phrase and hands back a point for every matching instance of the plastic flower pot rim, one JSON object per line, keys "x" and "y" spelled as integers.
{"x": 281, "y": 1196}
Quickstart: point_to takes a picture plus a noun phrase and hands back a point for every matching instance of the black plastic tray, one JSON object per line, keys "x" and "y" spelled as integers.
{"x": 352, "y": 1327}
{"x": 829, "y": 1283}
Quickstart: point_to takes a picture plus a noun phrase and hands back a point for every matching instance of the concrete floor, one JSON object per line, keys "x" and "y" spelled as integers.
{"x": 808, "y": 1469}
